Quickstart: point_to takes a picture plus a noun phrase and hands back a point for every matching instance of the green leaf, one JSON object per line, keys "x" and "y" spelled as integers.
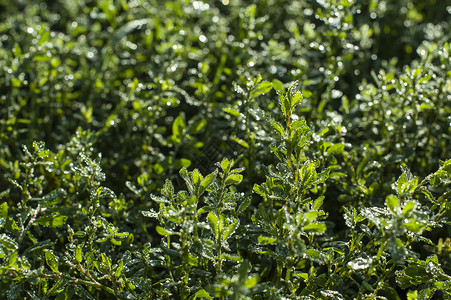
{"x": 285, "y": 105}
{"x": 262, "y": 88}
{"x": 231, "y": 257}
{"x": 182, "y": 163}
{"x": 225, "y": 163}
{"x": 3, "y": 211}
{"x": 202, "y": 294}
{"x": 232, "y": 112}
{"x": 414, "y": 226}
{"x": 278, "y": 127}
{"x": 12, "y": 260}
{"x": 266, "y": 240}
{"x": 318, "y": 202}
{"x": 168, "y": 189}
{"x": 206, "y": 182}
{"x": 178, "y": 126}
{"x": 51, "y": 260}
{"x": 213, "y": 219}
{"x": 308, "y": 173}
{"x": 52, "y": 220}
{"x": 336, "y": 149}
{"x": 315, "y": 227}
{"x": 234, "y": 179}
{"x": 230, "y": 230}
{"x": 251, "y": 282}
{"x": 198, "y": 126}
{"x": 408, "y": 207}
{"x": 297, "y": 98}
{"x": 241, "y": 142}
{"x": 324, "y": 131}
{"x": 162, "y": 231}
{"x": 243, "y": 205}
{"x": 119, "y": 269}
{"x": 393, "y": 203}
{"x": 78, "y": 254}
{"x": 277, "y": 85}
{"x": 197, "y": 177}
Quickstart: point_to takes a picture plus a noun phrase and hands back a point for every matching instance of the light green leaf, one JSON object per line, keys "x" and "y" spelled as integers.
{"x": 262, "y": 88}
{"x": 78, "y": 254}
{"x": 278, "y": 127}
{"x": 225, "y": 165}
{"x": 197, "y": 177}
{"x": 231, "y": 257}
{"x": 182, "y": 163}
{"x": 178, "y": 127}
{"x": 277, "y": 85}
{"x": 266, "y": 240}
{"x": 297, "y": 98}
{"x": 408, "y": 207}
{"x": 230, "y": 230}
{"x": 213, "y": 219}
{"x": 315, "y": 228}
{"x": 12, "y": 260}
{"x": 162, "y": 231}
{"x": 206, "y": 182}
{"x": 414, "y": 226}
{"x": 285, "y": 105}
{"x": 202, "y": 294}
{"x": 119, "y": 269}
{"x": 52, "y": 221}
{"x": 336, "y": 149}
{"x": 51, "y": 260}
{"x": 251, "y": 282}
{"x": 241, "y": 142}
{"x": 392, "y": 203}
{"x": 233, "y": 112}
{"x": 234, "y": 179}
{"x": 3, "y": 210}
{"x": 318, "y": 202}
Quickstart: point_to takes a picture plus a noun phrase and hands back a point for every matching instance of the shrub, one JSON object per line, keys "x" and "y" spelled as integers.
{"x": 229, "y": 149}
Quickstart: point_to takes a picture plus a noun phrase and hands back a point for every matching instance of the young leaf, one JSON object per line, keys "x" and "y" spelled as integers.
{"x": 202, "y": 294}
{"x": 3, "y": 211}
{"x": 178, "y": 127}
{"x": 278, "y": 127}
{"x": 52, "y": 220}
{"x": 262, "y": 88}
{"x": 162, "y": 231}
{"x": 51, "y": 260}
{"x": 78, "y": 254}
{"x": 335, "y": 149}
{"x": 266, "y": 240}
{"x": 206, "y": 182}
{"x": 225, "y": 165}
{"x": 234, "y": 179}
{"x": 318, "y": 202}
{"x": 315, "y": 227}
{"x": 230, "y": 230}
{"x": 197, "y": 177}
{"x": 277, "y": 85}
{"x": 297, "y": 98}
{"x": 392, "y": 203}
{"x": 251, "y": 282}
{"x": 213, "y": 219}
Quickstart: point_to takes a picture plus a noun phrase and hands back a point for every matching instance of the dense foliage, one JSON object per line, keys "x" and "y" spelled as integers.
{"x": 230, "y": 149}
